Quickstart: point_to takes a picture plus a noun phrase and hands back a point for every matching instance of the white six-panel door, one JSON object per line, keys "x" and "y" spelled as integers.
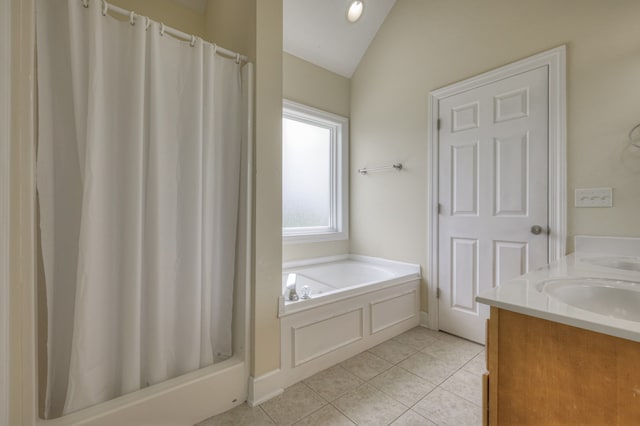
{"x": 493, "y": 183}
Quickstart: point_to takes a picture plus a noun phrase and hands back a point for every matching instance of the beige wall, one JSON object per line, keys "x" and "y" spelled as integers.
{"x": 169, "y": 12}
{"x": 232, "y": 25}
{"x": 308, "y": 84}
{"x": 317, "y": 87}
{"x": 22, "y": 223}
{"x": 254, "y": 28}
{"x": 427, "y": 44}
{"x": 268, "y": 186}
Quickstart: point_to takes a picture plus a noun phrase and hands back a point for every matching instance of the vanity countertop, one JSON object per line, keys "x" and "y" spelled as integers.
{"x": 525, "y": 294}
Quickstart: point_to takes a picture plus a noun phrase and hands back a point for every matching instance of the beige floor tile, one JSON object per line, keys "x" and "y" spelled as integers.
{"x": 445, "y": 408}
{"x": 477, "y": 365}
{"x": 366, "y": 365}
{"x": 402, "y": 386}
{"x": 457, "y": 352}
{"x": 429, "y": 332}
{"x": 393, "y": 351}
{"x": 447, "y": 337}
{"x": 368, "y": 406}
{"x": 431, "y": 368}
{"x": 411, "y": 418}
{"x": 240, "y": 415}
{"x": 333, "y": 382}
{"x": 326, "y": 416}
{"x": 417, "y": 337}
{"x": 465, "y": 384}
{"x": 295, "y": 403}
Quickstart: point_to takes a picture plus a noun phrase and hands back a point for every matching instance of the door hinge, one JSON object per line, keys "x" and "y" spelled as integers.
{"x": 438, "y": 124}
{"x": 438, "y": 293}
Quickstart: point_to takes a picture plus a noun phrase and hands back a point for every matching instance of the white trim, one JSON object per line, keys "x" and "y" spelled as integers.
{"x": 265, "y": 387}
{"x": 248, "y": 82}
{"x": 372, "y": 305}
{"x": 339, "y": 126}
{"x": 5, "y": 188}
{"x": 424, "y": 319}
{"x": 555, "y": 59}
{"x": 356, "y": 257}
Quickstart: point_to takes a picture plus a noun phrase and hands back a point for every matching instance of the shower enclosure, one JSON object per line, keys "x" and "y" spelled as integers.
{"x": 144, "y": 190}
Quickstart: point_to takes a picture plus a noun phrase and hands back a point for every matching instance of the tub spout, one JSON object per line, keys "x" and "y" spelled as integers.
{"x": 290, "y": 290}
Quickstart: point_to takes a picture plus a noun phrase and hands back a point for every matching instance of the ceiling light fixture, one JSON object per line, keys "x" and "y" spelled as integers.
{"x": 355, "y": 11}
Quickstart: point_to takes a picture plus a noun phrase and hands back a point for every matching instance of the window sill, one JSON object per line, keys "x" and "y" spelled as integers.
{"x": 314, "y": 238}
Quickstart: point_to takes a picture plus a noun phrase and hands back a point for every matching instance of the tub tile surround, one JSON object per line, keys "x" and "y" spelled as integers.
{"x": 391, "y": 393}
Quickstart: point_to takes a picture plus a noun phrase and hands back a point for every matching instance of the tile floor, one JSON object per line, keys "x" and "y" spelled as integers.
{"x": 421, "y": 377}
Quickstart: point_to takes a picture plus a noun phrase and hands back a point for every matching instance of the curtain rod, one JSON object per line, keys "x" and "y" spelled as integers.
{"x": 106, "y": 7}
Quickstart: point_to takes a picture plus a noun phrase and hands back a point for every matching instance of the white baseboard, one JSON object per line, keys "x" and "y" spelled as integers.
{"x": 424, "y": 319}
{"x": 265, "y": 387}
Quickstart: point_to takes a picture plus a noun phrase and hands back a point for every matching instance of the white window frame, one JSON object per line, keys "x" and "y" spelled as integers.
{"x": 338, "y": 228}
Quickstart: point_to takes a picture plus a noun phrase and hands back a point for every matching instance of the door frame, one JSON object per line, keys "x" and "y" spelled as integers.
{"x": 555, "y": 59}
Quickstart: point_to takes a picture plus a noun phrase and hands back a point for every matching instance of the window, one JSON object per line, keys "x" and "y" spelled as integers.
{"x": 315, "y": 183}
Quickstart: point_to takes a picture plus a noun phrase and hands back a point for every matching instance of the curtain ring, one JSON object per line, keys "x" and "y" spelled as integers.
{"x": 132, "y": 18}
{"x": 85, "y": 3}
{"x": 237, "y": 58}
{"x": 161, "y": 28}
{"x": 193, "y": 40}
{"x": 105, "y": 7}
{"x": 215, "y": 48}
{"x": 147, "y": 23}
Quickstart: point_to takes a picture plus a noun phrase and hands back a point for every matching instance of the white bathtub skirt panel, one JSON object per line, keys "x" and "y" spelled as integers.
{"x": 321, "y": 337}
{"x": 372, "y": 301}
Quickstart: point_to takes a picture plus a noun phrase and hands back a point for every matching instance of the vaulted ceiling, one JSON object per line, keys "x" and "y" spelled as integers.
{"x": 318, "y": 31}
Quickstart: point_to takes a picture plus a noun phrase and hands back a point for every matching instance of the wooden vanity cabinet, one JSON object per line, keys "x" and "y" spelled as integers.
{"x": 546, "y": 373}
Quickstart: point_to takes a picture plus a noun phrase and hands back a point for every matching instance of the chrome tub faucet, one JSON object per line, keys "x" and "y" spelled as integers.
{"x": 290, "y": 289}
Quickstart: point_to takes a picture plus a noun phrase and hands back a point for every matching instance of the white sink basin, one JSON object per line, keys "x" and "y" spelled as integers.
{"x": 614, "y": 298}
{"x": 616, "y": 262}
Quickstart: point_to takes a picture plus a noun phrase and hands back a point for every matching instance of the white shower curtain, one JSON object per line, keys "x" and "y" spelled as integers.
{"x": 138, "y": 181}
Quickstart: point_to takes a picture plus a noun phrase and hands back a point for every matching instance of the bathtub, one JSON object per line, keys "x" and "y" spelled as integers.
{"x": 355, "y": 303}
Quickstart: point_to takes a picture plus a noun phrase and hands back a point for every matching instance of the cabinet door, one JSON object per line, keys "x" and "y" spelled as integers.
{"x": 555, "y": 374}
{"x": 485, "y": 399}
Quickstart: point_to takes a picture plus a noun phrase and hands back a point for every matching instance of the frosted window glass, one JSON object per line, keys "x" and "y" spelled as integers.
{"x": 306, "y": 180}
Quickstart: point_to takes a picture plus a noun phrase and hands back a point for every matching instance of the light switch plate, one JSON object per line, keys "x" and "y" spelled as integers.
{"x": 594, "y": 197}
